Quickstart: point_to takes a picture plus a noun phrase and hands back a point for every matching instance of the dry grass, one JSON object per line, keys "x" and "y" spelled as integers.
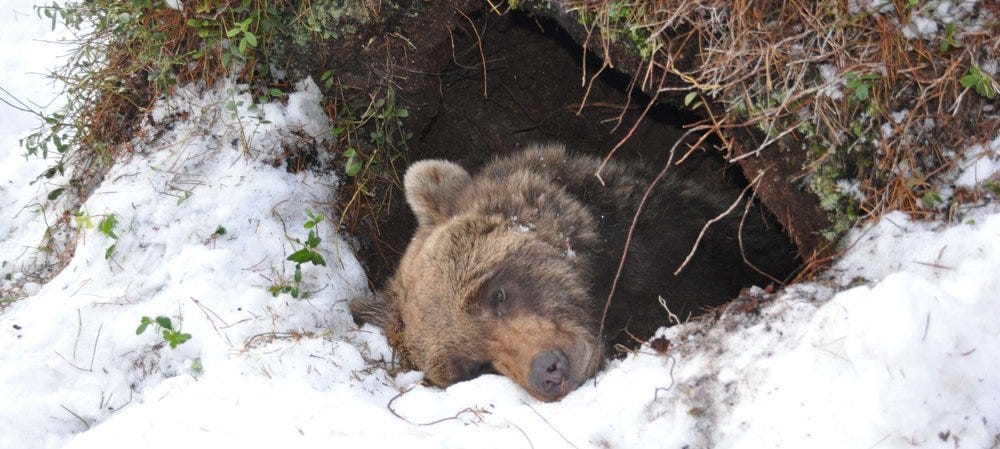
{"x": 781, "y": 67}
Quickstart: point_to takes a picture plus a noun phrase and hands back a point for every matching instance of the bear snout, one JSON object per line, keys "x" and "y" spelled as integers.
{"x": 548, "y": 374}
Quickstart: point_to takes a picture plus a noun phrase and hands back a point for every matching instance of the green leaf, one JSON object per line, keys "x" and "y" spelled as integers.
{"x": 298, "y": 273}
{"x": 250, "y": 38}
{"x": 164, "y": 322}
{"x": 301, "y": 256}
{"x": 275, "y": 92}
{"x": 318, "y": 259}
{"x": 690, "y": 97}
{"x": 55, "y": 194}
{"x": 981, "y": 82}
{"x": 402, "y": 113}
{"x": 107, "y": 226}
{"x": 143, "y": 324}
{"x": 180, "y": 339}
{"x": 353, "y": 168}
{"x": 233, "y": 32}
{"x": 110, "y": 251}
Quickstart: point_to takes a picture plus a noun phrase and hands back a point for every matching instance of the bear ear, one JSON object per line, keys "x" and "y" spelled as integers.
{"x": 432, "y": 189}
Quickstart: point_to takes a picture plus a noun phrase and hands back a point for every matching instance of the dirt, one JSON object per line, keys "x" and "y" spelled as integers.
{"x": 531, "y": 91}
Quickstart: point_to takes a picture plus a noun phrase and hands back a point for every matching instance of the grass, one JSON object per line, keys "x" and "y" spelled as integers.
{"x": 806, "y": 72}
{"x": 124, "y": 55}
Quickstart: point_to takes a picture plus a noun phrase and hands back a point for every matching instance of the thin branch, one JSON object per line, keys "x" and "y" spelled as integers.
{"x": 714, "y": 220}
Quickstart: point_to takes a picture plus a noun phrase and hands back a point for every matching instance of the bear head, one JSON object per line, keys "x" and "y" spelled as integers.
{"x": 497, "y": 278}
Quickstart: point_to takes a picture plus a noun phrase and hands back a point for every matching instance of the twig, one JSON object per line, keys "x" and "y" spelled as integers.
{"x": 550, "y": 425}
{"x": 479, "y": 42}
{"x": 714, "y": 220}
{"x": 670, "y": 315}
{"x": 431, "y": 423}
{"x": 652, "y": 102}
{"x": 77, "y": 416}
{"x": 656, "y": 393}
{"x": 519, "y": 429}
{"x": 93, "y": 354}
{"x": 739, "y": 239}
{"x": 206, "y": 311}
{"x": 631, "y": 229}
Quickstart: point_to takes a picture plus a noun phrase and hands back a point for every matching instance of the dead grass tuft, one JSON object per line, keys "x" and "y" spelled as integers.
{"x": 867, "y": 100}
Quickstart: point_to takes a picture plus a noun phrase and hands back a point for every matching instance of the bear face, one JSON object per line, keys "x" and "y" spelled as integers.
{"x": 491, "y": 281}
{"x": 509, "y": 270}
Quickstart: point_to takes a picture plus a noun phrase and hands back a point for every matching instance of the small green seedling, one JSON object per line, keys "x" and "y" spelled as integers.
{"x": 173, "y": 337}
{"x": 82, "y": 220}
{"x": 307, "y": 254}
{"x": 981, "y": 81}
{"x": 107, "y": 227}
{"x": 353, "y": 166}
{"x": 861, "y": 85}
{"x": 932, "y": 200}
{"x": 196, "y": 367}
{"x": 689, "y": 99}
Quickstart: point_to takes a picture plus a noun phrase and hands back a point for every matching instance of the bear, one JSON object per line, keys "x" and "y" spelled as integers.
{"x": 509, "y": 270}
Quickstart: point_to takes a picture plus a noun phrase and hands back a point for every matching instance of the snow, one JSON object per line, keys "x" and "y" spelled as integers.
{"x": 894, "y": 347}
{"x": 20, "y": 232}
{"x": 982, "y": 162}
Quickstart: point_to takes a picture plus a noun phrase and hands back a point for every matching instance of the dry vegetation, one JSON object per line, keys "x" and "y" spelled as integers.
{"x": 882, "y": 96}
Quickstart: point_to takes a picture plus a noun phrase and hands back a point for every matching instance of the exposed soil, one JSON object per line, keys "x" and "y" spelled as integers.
{"x": 534, "y": 84}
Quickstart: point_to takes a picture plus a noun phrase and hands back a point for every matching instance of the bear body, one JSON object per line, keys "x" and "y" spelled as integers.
{"x": 509, "y": 270}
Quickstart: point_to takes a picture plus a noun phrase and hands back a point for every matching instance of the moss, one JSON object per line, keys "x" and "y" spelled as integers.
{"x": 331, "y": 19}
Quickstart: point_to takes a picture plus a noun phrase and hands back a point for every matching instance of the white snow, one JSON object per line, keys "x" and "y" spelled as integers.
{"x": 895, "y": 347}
{"x": 982, "y": 162}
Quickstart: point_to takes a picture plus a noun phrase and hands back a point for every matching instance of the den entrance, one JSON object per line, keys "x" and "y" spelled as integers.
{"x": 532, "y": 91}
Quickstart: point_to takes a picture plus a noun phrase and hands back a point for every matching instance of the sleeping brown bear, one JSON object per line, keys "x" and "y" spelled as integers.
{"x": 509, "y": 270}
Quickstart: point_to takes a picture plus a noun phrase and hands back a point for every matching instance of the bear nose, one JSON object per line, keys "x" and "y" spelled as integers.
{"x": 548, "y": 373}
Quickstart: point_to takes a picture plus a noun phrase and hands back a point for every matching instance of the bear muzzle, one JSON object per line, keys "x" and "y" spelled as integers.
{"x": 548, "y": 375}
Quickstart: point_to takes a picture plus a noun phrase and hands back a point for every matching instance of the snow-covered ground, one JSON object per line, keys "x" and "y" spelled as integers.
{"x": 897, "y": 348}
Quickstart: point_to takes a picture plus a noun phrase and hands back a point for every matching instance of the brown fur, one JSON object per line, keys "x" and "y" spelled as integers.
{"x": 540, "y": 228}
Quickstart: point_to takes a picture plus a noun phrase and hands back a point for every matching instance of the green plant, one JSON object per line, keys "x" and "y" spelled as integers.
{"x": 352, "y": 166}
{"x": 949, "y": 38}
{"x": 171, "y": 336}
{"x": 127, "y": 53}
{"x": 107, "y": 227}
{"x": 82, "y": 220}
{"x": 689, "y": 100}
{"x": 861, "y": 85}
{"x": 372, "y": 137}
{"x": 932, "y": 199}
{"x": 306, "y": 254}
{"x": 981, "y": 81}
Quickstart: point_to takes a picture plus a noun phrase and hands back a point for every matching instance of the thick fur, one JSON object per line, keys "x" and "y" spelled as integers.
{"x": 540, "y": 232}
